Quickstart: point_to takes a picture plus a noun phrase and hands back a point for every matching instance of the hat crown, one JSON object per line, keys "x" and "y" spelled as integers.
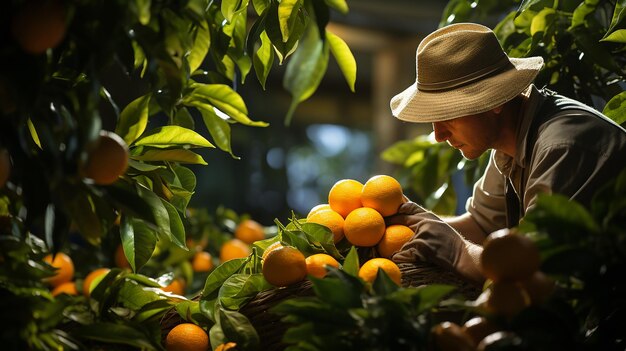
{"x": 456, "y": 55}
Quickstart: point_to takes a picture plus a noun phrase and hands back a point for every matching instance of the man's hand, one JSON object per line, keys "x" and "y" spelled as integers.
{"x": 435, "y": 241}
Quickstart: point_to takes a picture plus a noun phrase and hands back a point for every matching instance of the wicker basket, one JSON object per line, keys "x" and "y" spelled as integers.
{"x": 271, "y": 329}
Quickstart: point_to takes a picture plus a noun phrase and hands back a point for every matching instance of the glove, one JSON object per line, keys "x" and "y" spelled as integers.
{"x": 437, "y": 242}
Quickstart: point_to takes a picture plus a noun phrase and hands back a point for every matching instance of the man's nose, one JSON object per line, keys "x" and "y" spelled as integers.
{"x": 441, "y": 133}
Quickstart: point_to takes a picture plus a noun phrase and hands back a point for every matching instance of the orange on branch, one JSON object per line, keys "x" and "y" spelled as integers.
{"x": 316, "y": 209}
{"x": 284, "y": 266}
{"x": 507, "y": 298}
{"x": 202, "y": 262}
{"x": 395, "y": 236}
{"x": 39, "y": 25}
{"x": 270, "y": 248}
{"x": 316, "y": 264}
{"x": 449, "y": 336}
{"x": 92, "y": 279}
{"x": 107, "y": 159}
{"x": 330, "y": 219}
{"x": 249, "y": 231}
{"x": 234, "y": 248}
{"x": 345, "y": 196}
{"x": 65, "y": 268}
{"x": 120, "y": 258}
{"x": 176, "y": 286}
{"x": 364, "y": 227}
{"x": 65, "y": 288}
{"x": 382, "y": 193}
{"x": 187, "y": 337}
{"x": 509, "y": 256}
{"x": 369, "y": 270}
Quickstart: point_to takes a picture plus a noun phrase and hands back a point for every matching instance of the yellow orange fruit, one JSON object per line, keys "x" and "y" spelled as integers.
{"x": 478, "y": 328}
{"x": 107, "y": 159}
{"x": 449, "y": 336}
{"x": 395, "y": 236}
{"x": 270, "y": 248}
{"x": 345, "y": 196}
{"x": 92, "y": 279}
{"x": 509, "y": 256}
{"x": 65, "y": 268}
{"x": 369, "y": 270}
{"x": 316, "y": 264}
{"x": 284, "y": 266}
{"x": 331, "y": 220}
{"x": 382, "y": 193}
{"x": 234, "y": 248}
{"x": 65, "y": 288}
{"x": 187, "y": 337}
{"x": 364, "y": 227}
{"x": 202, "y": 262}
{"x": 5, "y": 167}
{"x": 226, "y": 346}
{"x": 120, "y": 258}
{"x": 249, "y": 231}
{"x": 39, "y": 25}
{"x": 318, "y": 208}
{"x": 507, "y": 298}
{"x": 176, "y": 286}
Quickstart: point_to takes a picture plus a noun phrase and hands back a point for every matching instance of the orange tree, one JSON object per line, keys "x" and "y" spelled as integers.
{"x": 582, "y": 43}
{"x": 62, "y": 170}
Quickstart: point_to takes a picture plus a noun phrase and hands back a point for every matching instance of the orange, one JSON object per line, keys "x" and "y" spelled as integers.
{"x": 249, "y": 231}
{"x": 317, "y": 209}
{"x": 284, "y": 266}
{"x": 449, "y": 336}
{"x": 234, "y": 248}
{"x": 226, "y": 346}
{"x": 65, "y": 288}
{"x": 345, "y": 196}
{"x": 369, "y": 270}
{"x": 39, "y": 25}
{"x": 331, "y": 220}
{"x": 477, "y": 328}
{"x": 93, "y": 277}
{"x": 270, "y": 248}
{"x": 202, "y": 262}
{"x": 187, "y": 337}
{"x": 382, "y": 193}
{"x": 107, "y": 159}
{"x": 120, "y": 258}
{"x": 507, "y": 299}
{"x": 509, "y": 256}
{"x": 5, "y": 167}
{"x": 65, "y": 269}
{"x": 316, "y": 264}
{"x": 539, "y": 287}
{"x": 395, "y": 236}
{"x": 364, "y": 227}
{"x": 177, "y": 286}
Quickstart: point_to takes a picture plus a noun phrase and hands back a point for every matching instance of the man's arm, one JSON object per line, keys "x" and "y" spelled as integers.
{"x": 467, "y": 227}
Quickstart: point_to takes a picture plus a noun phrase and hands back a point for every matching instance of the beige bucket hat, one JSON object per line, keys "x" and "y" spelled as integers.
{"x": 462, "y": 70}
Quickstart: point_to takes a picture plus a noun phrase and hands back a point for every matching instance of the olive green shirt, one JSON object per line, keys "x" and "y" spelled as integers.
{"x": 571, "y": 149}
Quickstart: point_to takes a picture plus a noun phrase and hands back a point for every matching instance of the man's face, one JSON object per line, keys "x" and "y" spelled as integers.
{"x": 472, "y": 135}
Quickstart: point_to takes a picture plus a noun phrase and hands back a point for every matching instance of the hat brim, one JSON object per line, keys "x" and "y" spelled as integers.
{"x": 413, "y": 105}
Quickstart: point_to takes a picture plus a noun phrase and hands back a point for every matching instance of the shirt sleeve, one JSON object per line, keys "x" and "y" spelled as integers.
{"x": 488, "y": 203}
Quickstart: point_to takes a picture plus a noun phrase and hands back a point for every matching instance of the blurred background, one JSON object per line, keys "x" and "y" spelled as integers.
{"x": 335, "y": 134}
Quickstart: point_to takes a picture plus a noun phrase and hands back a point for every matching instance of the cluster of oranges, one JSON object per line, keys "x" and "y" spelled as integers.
{"x": 510, "y": 262}
{"x": 356, "y": 212}
{"x": 63, "y": 282}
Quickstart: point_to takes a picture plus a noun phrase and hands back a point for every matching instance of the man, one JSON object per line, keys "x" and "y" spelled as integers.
{"x": 479, "y": 99}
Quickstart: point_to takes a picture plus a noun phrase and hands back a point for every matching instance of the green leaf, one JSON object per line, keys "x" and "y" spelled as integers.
{"x": 579, "y": 17}
{"x": 618, "y": 36}
{"x": 218, "y": 276}
{"x": 177, "y": 230}
{"x": 383, "y": 285}
{"x": 351, "y": 263}
{"x": 542, "y": 20}
{"x": 152, "y": 311}
{"x": 319, "y": 235}
{"x": 237, "y": 327}
{"x": 619, "y": 14}
{"x": 305, "y": 70}
{"x": 263, "y": 59}
{"x": 128, "y": 334}
{"x": 230, "y": 7}
{"x": 287, "y": 15}
{"x": 526, "y": 4}
{"x": 201, "y": 45}
{"x": 222, "y": 97}
{"x": 133, "y": 119}
{"x": 174, "y": 155}
{"x": 156, "y": 206}
{"x": 238, "y": 289}
{"x": 184, "y": 119}
{"x": 338, "y": 289}
{"x": 142, "y": 10}
{"x": 430, "y": 295}
{"x": 143, "y": 167}
{"x": 82, "y": 209}
{"x": 168, "y": 136}
{"x": 274, "y": 33}
{"x": 615, "y": 109}
{"x": 260, "y": 5}
{"x": 135, "y": 296}
{"x": 344, "y": 57}
{"x": 339, "y": 5}
{"x": 560, "y": 212}
{"x": 138, "y": 241}
{"x": 218, "y": 128}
